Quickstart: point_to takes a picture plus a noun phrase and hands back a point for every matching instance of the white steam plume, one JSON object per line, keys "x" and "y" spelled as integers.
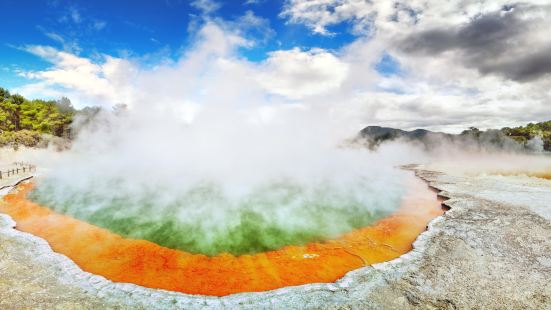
{"x": 206, "y": 159}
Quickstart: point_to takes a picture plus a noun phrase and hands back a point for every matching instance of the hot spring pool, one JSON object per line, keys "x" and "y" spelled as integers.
{"x": 205, "y": 220}
{"x": 311, "y": 239}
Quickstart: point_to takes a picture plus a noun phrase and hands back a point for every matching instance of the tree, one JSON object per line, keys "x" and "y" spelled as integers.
{"x": 17, "y": 100}
{"x": 471, "y": 131}
{"x": 64, "y": 105}
{"x": 4, "y": 94}
{"x": 120, "y": 108}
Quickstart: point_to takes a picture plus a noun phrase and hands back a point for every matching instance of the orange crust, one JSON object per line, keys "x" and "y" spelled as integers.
{"x": 104, "y": 253}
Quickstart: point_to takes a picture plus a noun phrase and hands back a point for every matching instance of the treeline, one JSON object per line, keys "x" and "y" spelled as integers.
{"x": 40, "y": 122}
{"x": 33, "y": 122}
{"x": 532, "y": 138}
{"x": 523, "y": 134}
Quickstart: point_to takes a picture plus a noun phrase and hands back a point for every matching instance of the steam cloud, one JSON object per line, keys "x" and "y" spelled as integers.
{"x": 223, "y": 182}
{"x": 205, "y": 159}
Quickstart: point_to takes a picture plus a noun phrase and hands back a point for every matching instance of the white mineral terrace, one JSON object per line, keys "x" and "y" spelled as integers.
{"x": 491, "y": 250}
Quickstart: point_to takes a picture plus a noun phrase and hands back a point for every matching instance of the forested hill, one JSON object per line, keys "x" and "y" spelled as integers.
{"x": 33, "y": 122}
{"x": 534, "y": 136}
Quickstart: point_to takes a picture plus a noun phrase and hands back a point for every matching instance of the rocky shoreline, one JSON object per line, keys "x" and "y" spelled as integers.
{"x": 491, "y": 250}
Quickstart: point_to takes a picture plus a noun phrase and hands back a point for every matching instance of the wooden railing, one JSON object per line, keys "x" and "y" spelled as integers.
{"x": 19, "y": 168}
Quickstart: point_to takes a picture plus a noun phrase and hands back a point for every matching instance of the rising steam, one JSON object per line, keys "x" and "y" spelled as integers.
{"x": 204, "y": 159}
{"x": 208, "y": 160}
{"x": 224, "y": 182}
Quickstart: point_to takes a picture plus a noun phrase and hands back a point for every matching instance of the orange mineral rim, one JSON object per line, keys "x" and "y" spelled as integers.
{"x": 99, "y": 251}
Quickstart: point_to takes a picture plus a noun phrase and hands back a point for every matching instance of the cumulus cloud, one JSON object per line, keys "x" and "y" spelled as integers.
{"x": 249, "y": 25}
{"x": 461, "y": 64}
{"x": 509, "y": 42}
{"x": 493, "y": 37}
{"x": 296, "y": 74}
{"x": 99, "y": 83}
{"x": 320, "y": 14}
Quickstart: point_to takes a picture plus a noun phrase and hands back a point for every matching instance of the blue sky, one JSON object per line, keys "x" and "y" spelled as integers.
{"x": 405, "y": 63}
{"x": 136, "y": 28}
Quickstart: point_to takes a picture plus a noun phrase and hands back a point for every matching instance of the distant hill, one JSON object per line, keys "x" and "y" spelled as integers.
{"x": 532, "y": 137}
{"x": 529, "y": 132}
{"x": 379, "y": 134}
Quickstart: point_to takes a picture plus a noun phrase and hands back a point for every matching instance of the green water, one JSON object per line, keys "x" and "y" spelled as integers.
{"x": 205, "y": 220}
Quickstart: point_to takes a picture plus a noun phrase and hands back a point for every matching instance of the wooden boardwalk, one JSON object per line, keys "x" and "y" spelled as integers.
{"x": 12, "y": 172}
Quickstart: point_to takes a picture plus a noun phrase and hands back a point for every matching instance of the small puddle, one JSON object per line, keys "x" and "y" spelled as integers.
{"x": 99, "y": 251}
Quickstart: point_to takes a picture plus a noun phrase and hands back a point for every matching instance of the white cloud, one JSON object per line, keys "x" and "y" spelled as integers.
{"x": 251, "y": 26}
{"x": 54, "y": 36}
{"x": 71, "y": 14}
{"x": 296, "y": 74}
{"x": 206, "y": 6}
{"x": 459, "y": 83}
{"x": 432, "y": 91}
{"x": 388, "y": 16}
{"x": 75, "y": 15}
{"x": 79, "y": 19}
{"x": 99, "y": 24}
{"x": 96, "y": 82}
{"x": 47, "y": 52}
{"x": 320, "y": 14}
{"x": 68, "y": 45}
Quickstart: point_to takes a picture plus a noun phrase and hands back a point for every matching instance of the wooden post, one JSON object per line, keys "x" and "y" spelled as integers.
{"x": 0, "y": 175}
